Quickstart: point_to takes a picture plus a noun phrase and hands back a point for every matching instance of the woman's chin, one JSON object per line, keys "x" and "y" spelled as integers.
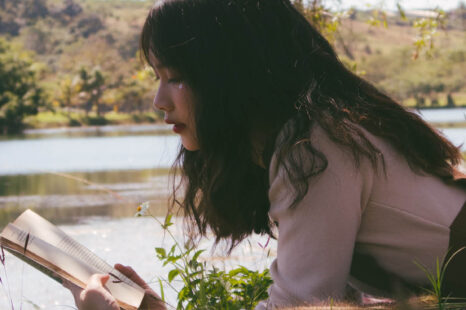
{"x": 190, "y": 145}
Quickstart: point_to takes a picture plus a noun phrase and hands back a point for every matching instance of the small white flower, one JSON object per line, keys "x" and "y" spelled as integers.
{"x": 142, "y": 209}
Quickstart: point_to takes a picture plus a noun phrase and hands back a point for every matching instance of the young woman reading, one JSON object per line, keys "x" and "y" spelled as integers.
{"x": 277, "y": 134}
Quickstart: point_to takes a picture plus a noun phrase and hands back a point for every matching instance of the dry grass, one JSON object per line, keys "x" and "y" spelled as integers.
{"x": 414, "y": 303}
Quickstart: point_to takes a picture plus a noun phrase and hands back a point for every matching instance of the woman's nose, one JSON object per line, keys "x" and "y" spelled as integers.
{"x": 162, "y": 101}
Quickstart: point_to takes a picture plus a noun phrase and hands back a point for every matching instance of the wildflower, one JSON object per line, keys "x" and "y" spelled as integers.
{"x": 142, "y": 209}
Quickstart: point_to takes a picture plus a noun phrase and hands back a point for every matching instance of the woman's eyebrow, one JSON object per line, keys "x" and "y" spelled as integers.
{"x": 160, "y": 66}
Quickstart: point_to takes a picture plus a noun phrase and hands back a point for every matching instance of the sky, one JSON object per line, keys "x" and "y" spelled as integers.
{"x": 391, "y": 4}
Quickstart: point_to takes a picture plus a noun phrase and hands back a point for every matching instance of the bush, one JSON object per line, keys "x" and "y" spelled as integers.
{"x": 20, "y": 94}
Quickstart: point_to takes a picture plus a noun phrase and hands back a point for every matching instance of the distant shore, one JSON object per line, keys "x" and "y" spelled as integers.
{"x": 60, "y": 119}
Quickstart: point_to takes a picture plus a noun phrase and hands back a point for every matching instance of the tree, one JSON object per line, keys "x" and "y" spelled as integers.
{"x": 92, "y": 85}
{"x": 20, "y": 93}
{"x": 136, "y": 92}
{"x": 68, "y": 89}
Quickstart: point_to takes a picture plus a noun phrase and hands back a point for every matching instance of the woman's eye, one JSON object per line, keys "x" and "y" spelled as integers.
{"x": 174, "y": 80}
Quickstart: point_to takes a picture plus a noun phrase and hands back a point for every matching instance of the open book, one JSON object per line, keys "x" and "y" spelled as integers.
{"x": 47, "y": 248}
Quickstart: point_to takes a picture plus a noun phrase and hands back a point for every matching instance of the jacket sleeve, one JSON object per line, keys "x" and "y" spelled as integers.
{"x": 317, "y": 236}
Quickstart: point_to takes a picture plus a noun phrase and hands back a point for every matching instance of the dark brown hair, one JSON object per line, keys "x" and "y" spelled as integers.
{"x": 255, "y": 65}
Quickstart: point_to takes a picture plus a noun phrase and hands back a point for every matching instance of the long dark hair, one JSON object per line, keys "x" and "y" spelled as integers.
{"x": 255, "y": 65}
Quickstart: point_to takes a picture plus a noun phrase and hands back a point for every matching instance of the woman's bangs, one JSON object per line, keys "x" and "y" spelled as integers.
{"x": 166, "y": 34}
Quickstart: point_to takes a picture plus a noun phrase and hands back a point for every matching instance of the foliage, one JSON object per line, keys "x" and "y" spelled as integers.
{"x": 69, "y": 88}
{"x": 427, "y": 29}
{"x": 91, "y": 84}
{"x": 136, "y": 90}
{"x": 207, "y": 287}
{"x": 20, "y": 93}
{"x": 326, "y": 21}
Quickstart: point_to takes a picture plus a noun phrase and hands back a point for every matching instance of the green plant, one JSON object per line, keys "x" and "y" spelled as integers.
{"x": 428, "y": 28}
{"x": 204, "y": 286}
{"x": 436, "y": 279}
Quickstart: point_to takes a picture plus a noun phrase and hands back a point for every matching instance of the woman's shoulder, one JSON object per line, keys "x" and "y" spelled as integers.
{"x": 319, "y": 150}
{"x": 326, "y": 164}
{"x": 391, "y": 181}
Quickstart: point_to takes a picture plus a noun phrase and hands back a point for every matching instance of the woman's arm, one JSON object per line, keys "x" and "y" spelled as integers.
{"x": 317, "y": 236}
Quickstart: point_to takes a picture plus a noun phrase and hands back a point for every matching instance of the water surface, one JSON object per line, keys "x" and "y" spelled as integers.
{"x": 54, "y": 154}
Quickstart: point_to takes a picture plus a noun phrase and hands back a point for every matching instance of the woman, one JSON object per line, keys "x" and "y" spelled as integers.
{"x": 277, "y": 133}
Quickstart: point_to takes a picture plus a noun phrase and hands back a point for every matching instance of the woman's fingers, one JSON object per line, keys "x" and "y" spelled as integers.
{"x": 131, "y": 274}
{"x": 98, "y": 280}
{"x": 151, "y": 300}
{"x": 95, "y": 296}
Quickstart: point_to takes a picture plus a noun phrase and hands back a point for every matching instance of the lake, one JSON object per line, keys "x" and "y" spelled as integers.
{"x": 112, "y": 148}
{"x": 457, "y": 115}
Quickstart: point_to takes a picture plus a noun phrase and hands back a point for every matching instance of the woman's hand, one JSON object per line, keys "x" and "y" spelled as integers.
{"x": 151, "y": 300}
{"x": 95, "y": 296}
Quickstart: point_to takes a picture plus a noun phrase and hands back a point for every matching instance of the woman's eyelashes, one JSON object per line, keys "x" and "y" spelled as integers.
{"x": 174, "y": 80}
{"x": 166, "y": 76}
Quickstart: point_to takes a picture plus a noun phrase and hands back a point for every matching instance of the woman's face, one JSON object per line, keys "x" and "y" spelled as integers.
{"x": 176, "y": 99}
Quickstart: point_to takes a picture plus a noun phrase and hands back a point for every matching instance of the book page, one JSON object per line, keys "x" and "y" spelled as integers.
{"x": 61, "y": 264}
{"x": 43, "y": 229}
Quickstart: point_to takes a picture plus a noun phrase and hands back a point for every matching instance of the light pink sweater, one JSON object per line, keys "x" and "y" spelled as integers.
{"x": 396, "y": 219}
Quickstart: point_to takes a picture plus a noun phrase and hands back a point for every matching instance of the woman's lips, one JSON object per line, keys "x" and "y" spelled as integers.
{"x": 178, "y": 127}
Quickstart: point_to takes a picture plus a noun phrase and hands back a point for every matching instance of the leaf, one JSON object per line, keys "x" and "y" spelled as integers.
{"x": 167, "y": 223}
{"x": 401, "y": 11}
{"x": 172, "y": 274}
{"x": 161, "y": 252}
{"x": 196, "y": 255}
{"x": 172, "y": 250}
{"x": 173, "y": 259}
{"x": 162, "y": 292}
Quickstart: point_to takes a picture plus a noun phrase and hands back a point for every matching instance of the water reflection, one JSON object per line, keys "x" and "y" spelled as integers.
{"x": 77, "y": 182}
{"x": 76, "y": 215}
{"x": 92, "y": 131}
{"x": 66, "y": 198}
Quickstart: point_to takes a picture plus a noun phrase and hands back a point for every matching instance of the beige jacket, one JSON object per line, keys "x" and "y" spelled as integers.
{"x": 357, "y": 221}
